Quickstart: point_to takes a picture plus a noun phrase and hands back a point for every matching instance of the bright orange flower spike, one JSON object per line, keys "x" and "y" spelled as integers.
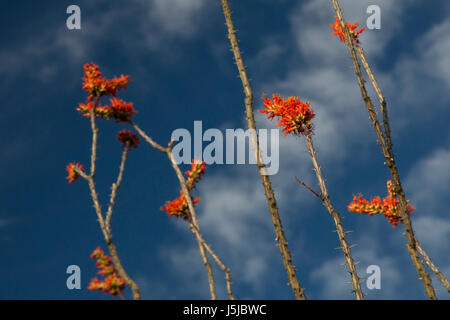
{"x": 338, "y": 31}
{"x": 100, "y": 111}
{"x": 98, "y": 86}
{"x": 295, "y": 115}
{"x": 125, "y": 136}
{"x": 121, "y": 111}
{"x": 388, "y": 206}
{"x": 179, "y": 207}
{"x": 72, "y": 174}
{"x": 113, "y": 283}
{"x": 195, "y": 174}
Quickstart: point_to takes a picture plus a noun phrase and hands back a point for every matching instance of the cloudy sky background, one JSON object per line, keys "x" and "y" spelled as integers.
{"x": 177, "y": 54}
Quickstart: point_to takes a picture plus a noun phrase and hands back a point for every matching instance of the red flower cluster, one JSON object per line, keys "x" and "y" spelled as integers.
{"x": 338, "y": 31}
{"x": 179, "y": 207}
{"x": 113, "y": 283}
{"x": 295, "y": 115}
{"x": 100, "y": 111}
{"x": 121, "y": 111}
{"x": 72, "y": 174}
{"x": 198, "y": 168}
{"x": 125, "y": 136}
{"x": 387, "y": 206}
{"x": 98, "y": 86}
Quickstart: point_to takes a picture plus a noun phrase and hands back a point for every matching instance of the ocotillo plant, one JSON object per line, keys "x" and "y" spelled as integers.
{"x": 295, "y": 117}
{"x": 348, "y": 35}
{"x": 273, "y": 208}
{"x": 388, "y": 206}
{"x": 97, "y": 86}
{"x": 191, "y": 216}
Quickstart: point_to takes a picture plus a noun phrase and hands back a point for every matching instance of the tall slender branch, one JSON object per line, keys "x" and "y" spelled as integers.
{"x": 94, "y": 138}
{"x": 273, "y": 208}
{"x": 387, "y": 150}
{"x": 193, "y": 221}
{"x": 225, "y": 270}
{"x": 115, "y": 186}
{"x": 383, "y": 107}
{"x": 337, "y": 219}
{"x": 387, "y": 130}
{"x": 105, "y": 225}
{"x": 310, "y": 189}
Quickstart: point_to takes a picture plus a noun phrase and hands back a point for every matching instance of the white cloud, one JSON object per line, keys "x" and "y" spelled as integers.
{"x": 235, "y": 221}
{"x": 433, "y": 232}
{"x": 334, "y": 280}
{"x": 157, "y": 21}
{"x": 4, "y": 223}
{"x": 310, "y": 27}
{"x": 428, "y": 186}
{"x": 428, "y": 182}
{"x": 437, "y": 45}
{"x": 177, "y": 16}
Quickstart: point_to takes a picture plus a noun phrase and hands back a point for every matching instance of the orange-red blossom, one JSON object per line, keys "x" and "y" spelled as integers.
{"x": 120, "y": 110}
{"x": 125, "y": 136}
{"x": 179, "y": 207}
{"x": 338, "y": 31}
{"x": 98, "y": 86}
{"x": 387, "y": 206}
{"x": 113, "y": 283}
{"x": 72, "y": 173}
{"x": 294, "y": 115}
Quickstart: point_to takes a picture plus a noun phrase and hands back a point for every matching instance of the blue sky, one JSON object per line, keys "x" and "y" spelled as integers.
{"x": 177, "y": 54}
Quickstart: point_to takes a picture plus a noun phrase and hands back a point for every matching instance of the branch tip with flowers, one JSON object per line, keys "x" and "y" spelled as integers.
{"x": 387, "y": 206}
{"x": 184, "y": 206}
{"x": 295, "y": 117}
{"x": 385, "y": 141}
{"x": 122, "y": 112}
{"x": 97, "y": 87}
{"x": 113, "y": 283}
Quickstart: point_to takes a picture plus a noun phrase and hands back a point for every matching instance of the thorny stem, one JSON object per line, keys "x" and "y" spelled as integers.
{"x": 105, "y": 226}
{"x": 147, "y": 138}
{"x": 193, "y": 222}
{"x": 193, "y": 216}
{"x": 225, "y": 270}
{"x": 387, "y": 131}
{"x": 433, "y": 267}
{"x": 386, "y": 147}
{"x": 373, "y": 80}
{"x": 94, "y": 138}
{"x": 278, "y": 228}
{"x": 310, "y": 189}
{"x": 116, "y": 186}
{"x": 337, "y": 220}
